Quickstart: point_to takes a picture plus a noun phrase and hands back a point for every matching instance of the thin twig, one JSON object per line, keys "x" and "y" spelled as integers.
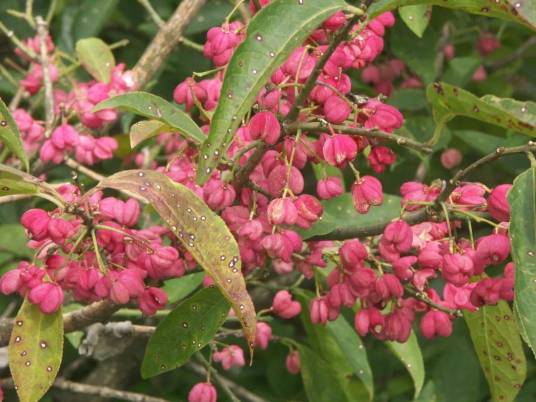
{"x": 84, "y": 170}
{"x": 425, "y": 299}
{"x": 403, "y": 141}
{"x": 6, "y": 199}
{"x": 243, "y": 10}
{"x": 152, "y": 13}
{"x": 499, "y": 153}
{"x": 79, "y": 319}
{"x": 431, "y": 212}
{"x": 98, "y": 177}
{"x": 242, "y": 175}
{"x": 167, "y": 38}
{"x": 42, "y": 32}
{"x": 96, "y": 390}
{"x": 516, "y": 54}
{"x": 311, "y": 81}
{"x": 17, "y": 42}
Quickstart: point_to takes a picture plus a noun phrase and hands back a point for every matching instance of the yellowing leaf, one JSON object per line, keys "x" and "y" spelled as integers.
{"x": 96, "y": 57}
{"x": 498, "y": 345}
{"x": 35, "y": 351}
{"x": 201, "y": 232}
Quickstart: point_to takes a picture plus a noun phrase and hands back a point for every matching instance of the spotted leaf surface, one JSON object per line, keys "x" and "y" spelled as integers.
{"x": 184, "y": 331}
{"x": 156, "y": 108}
{"x": 10, "y": 135}
{"x": 13, "y": 182}
{"x": 498, "y": 345}
{"x": 522, "y": 199}
{"x": 202, "y": 232}
{"x": 410, "y": 355}
{"x": 273, "y": 34}
{"x": 96, "y": 57}
{"x": 521, "y": 11}
{"x": 35, "y": 351}
{"x": 449, "y": 101}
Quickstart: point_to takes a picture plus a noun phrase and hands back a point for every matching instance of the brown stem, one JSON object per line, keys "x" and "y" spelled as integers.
{"x": 42, "y": 32}
{"x": 430, "y": 212}
{"x": 243, "y": 174}
{"x": 516, "y": 54}
{"x": 425, "y": 299}
{"x": 499, "y": 153}
{"x": 79, "y": 319}
{"x": 311, "y": 81}
{"x": 167, "y": 38}
{"x": 403, "y": 141}
{"x": 96, "y": 390}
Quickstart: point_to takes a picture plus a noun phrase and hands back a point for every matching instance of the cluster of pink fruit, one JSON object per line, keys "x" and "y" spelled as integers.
{"x": 390, "y": 275}
{"x": 70, "y": 99}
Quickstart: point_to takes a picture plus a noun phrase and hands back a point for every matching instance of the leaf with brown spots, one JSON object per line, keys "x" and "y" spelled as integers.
{"x": 15, "y": 182}
{"x": 201, "y": 232}
{"x": 185, "y": 330}
{"x": 498, "y": 345}
{"x": 449, "y": 101}
{"x": 35, "y": 351}
{"x": 522, "y": 199}
{"x": 521, "y": 11}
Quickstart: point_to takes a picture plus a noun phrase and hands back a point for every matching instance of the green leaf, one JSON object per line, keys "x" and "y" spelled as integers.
{"x": 91, "y": 16}
{"x": 461, "y": 69}
{"x": 202, "y": 232}
{"x": 522, "y": 199}
{"x": 339, "y": 213}
{"x": 83, "y": 19}
{"x": 157, "y": 108}
{"x": 13, "y": 240}
{"x": 184, "y": 331}
{"x": 35, "y": 351}
{"x": 96, "y": 57}
{"x": 15, "y": 182}
{"x": 273, "y": 34}
{"x": 178, "y": 288}
{"x": 420, "y": 54}
{"x": 455, "y": 371}
{"x": 338, "y": 343}
{"x": 352, "y": 347}
{"x": 428, "y": 393}
{"x": 10, "y": 135}
{"x": 143, "y": 130}
{"x": 523, "y": 12}
{"x": 411, "y": 99}
{"x": 410, "y": 355}
{"x": 498, "y": 346}
{"x": 449, "y": 101}
{"x": 416, "y": 17}
{"x": 523, "y": 111}
{"x": 319, "y": 379}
